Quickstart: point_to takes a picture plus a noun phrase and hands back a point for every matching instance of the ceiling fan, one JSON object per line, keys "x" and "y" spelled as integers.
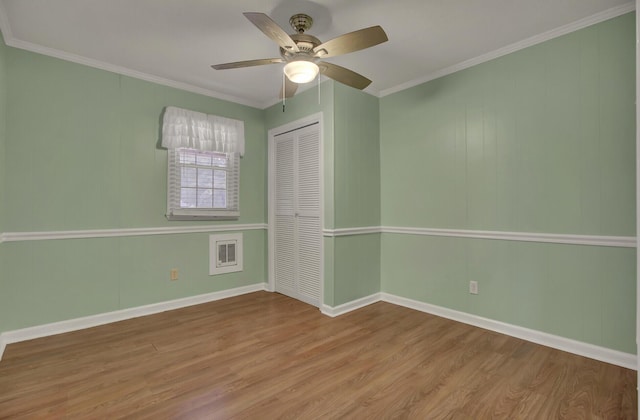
{"x": 302, "y": 52}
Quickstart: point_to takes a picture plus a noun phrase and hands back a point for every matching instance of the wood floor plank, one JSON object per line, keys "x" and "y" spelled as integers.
{"x": 264, "y": 355}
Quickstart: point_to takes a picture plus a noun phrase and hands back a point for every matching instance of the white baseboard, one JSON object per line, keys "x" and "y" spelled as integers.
{"x": 2, "y": 346}
{"x": 591, "y": 351}
{"x": 603, "y": 354}
{"x": 38, "y": 331}
{"x": 334, "y": 311}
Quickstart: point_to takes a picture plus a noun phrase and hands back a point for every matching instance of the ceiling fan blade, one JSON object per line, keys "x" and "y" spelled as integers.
{"x": 272, "y": 30}
{"x": 248, "y": 63}
{"x": 353, "y": 41}
{"x": 344, "y": 76}
{"x": 290, "y": 88}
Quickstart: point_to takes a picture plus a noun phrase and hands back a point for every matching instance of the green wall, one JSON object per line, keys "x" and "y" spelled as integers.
{"x": 3, "y": 87}
{"x": 83, "y": 148}
{"x": 541, "y": 140}
{"x": 82, "y": 153}
{"x": 357, "y": 193}
{"x": 357, "y": 158}
{"x": 3, "y": 137}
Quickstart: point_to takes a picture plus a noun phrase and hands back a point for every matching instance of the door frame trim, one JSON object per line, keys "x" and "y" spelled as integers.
{"x": 272, "y": 133}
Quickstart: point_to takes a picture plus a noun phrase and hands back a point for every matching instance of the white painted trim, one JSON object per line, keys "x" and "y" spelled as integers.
{"x": 536, "y": 39}
{"x": 629, "y": 361}
{"x": 561, "y": 343}
{"x": 3, "y": 345}
{"x": 109, "y": 233}
{"x": 294, "y": 125}
{"x": 54, "y": 328}
{"x": 271, "y": 134}
{"x": 351, "y": 231}
{"x": 556, "y": 238}
{"x": 334, "y": 311}
{"x": 591, "y": 351}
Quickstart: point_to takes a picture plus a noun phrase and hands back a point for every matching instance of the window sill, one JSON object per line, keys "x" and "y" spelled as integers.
{"x": 178, "y": 217}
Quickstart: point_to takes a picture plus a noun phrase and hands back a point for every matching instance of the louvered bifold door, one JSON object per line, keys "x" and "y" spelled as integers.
{"x": 298, "y": 235}
{"x": 308, "y": 214}
{"x": 285, "y": 252}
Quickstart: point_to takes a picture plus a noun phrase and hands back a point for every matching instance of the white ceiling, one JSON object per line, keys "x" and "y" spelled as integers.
{"x": 174, "y": 42}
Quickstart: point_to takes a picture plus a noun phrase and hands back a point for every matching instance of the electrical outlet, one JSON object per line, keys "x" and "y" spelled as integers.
{"x": 173, "y": 274}
{"x": 473, "y": 287}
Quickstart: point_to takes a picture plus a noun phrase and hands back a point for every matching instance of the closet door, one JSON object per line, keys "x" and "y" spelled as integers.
{"x": 286, "y": 265}
{"x": 297, "y": 225}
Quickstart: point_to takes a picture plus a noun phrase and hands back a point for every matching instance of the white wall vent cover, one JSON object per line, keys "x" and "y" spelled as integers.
{"x": 225, "y": 253}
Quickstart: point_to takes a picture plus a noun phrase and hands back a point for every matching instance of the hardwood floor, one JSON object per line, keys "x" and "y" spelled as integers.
{"x": 266, "y": 356}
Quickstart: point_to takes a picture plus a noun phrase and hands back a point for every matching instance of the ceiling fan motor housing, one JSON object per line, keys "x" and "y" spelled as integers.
{"x": 306, "y": 44}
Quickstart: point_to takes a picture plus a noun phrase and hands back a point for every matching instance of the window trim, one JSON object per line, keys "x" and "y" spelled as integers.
{"x": 179, "y": 213}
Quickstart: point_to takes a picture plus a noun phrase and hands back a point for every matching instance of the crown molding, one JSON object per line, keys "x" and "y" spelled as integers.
{"x": 78, "y": 59}
{"x": 536, "y": 39}
{"x": 11, "y": 41}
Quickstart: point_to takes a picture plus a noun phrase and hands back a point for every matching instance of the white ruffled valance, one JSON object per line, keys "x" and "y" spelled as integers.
{"x": 195, "y": 130}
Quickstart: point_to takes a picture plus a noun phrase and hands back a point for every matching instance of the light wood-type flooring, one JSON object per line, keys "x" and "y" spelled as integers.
{"x": 266, "y": 356}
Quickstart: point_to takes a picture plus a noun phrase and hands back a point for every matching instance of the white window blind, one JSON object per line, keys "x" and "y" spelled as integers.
{"x": 203, "y": 174}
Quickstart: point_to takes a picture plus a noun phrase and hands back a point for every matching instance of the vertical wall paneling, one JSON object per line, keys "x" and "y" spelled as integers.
{"x": 82, "y": 153}
{"x": 638, "y": 191}
{"x": 3, "y": 138}
{"x": 541, "y": 140}
{"x": 357, "y": 193}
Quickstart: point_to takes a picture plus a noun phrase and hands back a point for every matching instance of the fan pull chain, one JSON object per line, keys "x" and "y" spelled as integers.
{"x": 284, "y": 98}
{"x": 318, "y": 88}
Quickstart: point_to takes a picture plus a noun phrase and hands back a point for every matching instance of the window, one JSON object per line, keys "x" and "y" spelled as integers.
{"x": 202, "y": 184}
{"x": 203, "y": 173}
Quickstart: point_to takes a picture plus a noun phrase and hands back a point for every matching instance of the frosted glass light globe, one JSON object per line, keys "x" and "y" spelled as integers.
{"x": 301, "y": 71}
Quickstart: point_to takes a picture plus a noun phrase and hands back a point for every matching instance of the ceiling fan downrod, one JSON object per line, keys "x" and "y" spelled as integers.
{"x": 301, "y": 22}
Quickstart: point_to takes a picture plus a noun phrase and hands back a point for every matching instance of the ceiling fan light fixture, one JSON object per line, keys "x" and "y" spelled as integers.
{"x": 301, "y": 71}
